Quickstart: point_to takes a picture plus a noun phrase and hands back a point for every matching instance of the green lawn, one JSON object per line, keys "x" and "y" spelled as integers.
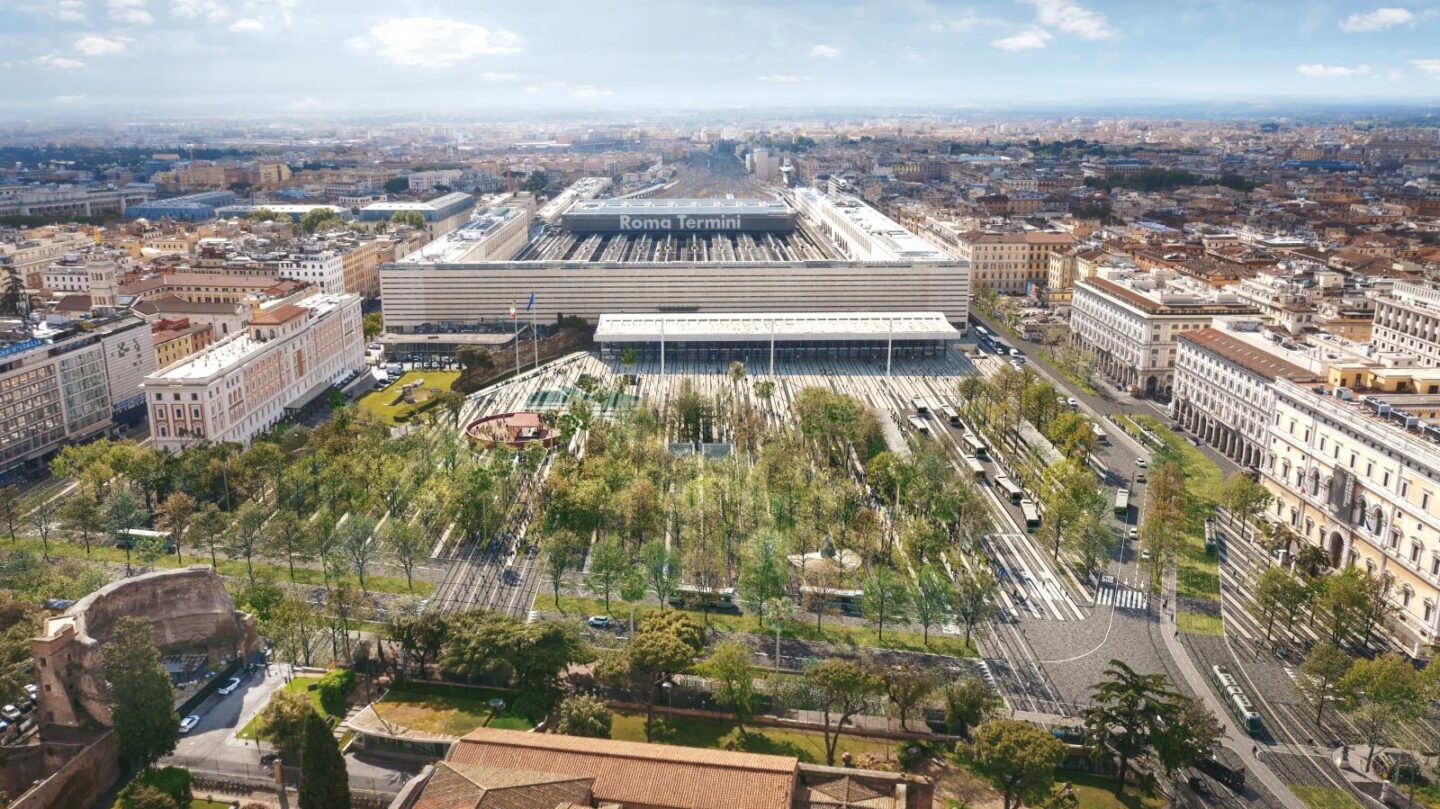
{"x": 1098, "y": 792}
{"x": 1324, "y": 797}
{"x": 1048, "y": 358}
{"x": 1199, "y": 623}
{"x": 299, "y": 685}
{"x": 387, "y": 404}
{"x": 452, "y": 711}
{"x": 843, "y": 634}
{"x": 103, "y": 552}
{"x": 804, "y": 745}
{"x": 1197, "y": 573}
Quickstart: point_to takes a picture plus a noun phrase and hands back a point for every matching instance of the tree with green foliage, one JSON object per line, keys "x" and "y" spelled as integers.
{"x": 764, "y": 573}
{"x": 583, "y": 715}
{"x": 1163, "y": 522}
{"x": 13, "y": 300}
{"x": 536, "y": 182}
{"x": 609, "y": 565}
{"x": 1322, "y": 672}
{"x": 283, "y": 720}
{"x": 969, "y": 700}
{"x": 82, "y": 517}
{"x": 1344, "y": 601}
{"x": 245, "y": 534}
{"x": 412, "y": 219}
{"x": 730, "y": 669}
{"x": 43, "y": 518}
{"x": 975, "y": 601}
{"x": 887, "y": 599}
{"x": 1243, "y": 497}
{"x": 10, "y": 510}
{"x": 661, "y": 568}
{"x": 146, "y": 725}
{"x": 530, "y": 659}
{"x": 1017, "y": 758}
{"x": 906, "y": 685}
{"x": 324, "y": 782}
{"x": 209, "y": 526}
{"x": 122, "y": 513}
{"x": 664, "y": 644}
{"x": 320, "y": 219}
{"x": 564, "y": 551}
{"x": 1384, "y": 692}
{"x": 842, "y": 689}
{"x": 408, "y": 546}
{"x": 137, "y": 795}
{"x": 1132, "y": 714}
{"x": 174, "y": 515}
{"x": 372, "y": 324}
{"x": 931, "y": 596}
{"x": 1275, "y": 589}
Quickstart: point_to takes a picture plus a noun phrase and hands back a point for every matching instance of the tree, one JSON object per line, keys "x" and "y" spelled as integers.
{"x": 174, "y": 515}
{"x": 371, "y": 325}
{"x": 475, "y": 357}
{"x": 665, "y": 643}
{"x": 10, "y": 510}
{"x": 968, "y": 701}
{"x": 1386, "y": 690}
{"x": 43, "y": 517}
{"x": 527, "y": 658}
{"x": 324, "y": 783}
{"x": 583, "y": 715}
{"x": 536, "y": 182}
{"x": 906, "y": 685}
{"x": 1134, "y": 713}
{"x": 764, "y": 573}
{"x": 357, "y": 541}
{"x": 1243, "y": 497}
{"x": 408, "y": 545}
{"x": 661, "y": 569}
{"x": 609, "y": 565}
{"x": 974, "y": 601}
{"x": 764, "y": 389}
{"x": 1164, "y": 517}
{"x": 284, "y": 718}
{"x": 887, "y": 600}
{"x": 122, "y": 513}
{"x": 737, "y": 371}
{"x": 145, "y": 722}
{"x": 563, "y": 551}
{"x": 843, "y": 688}
{"x": 319, "y": 219}
{"x": 1017, "y": 758}
{"x": 729, "y": 667}
{"x": 209, "y": 526}
{"x": 1345, "y": 601}
{"x": 1322, "y": 671}
{"x": 245, "y": 534}
{"x": 82, "y": 517}
{"x": 137, "y": 795}
{"x": 397, "y": 185}
{"x": 931, "y": 596}
{"x": 1275, "y": 589}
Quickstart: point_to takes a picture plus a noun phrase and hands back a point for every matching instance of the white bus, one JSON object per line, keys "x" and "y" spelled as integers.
{"x": 919, "y": 425}
{"x": 974, "y": 444}
{"x": 1015, "y": 493}
{"x": 949, "y": 413}
{"x": 975, "y": 467}
{"x": 921, "y": 405}
{"x": 130, "y": 537}
{"x": 1100, "y": 436}
{"x": 1032, "y": 515}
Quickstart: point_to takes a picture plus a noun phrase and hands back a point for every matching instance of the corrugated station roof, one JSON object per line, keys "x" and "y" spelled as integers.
{"x": 662, "y": 205}
{"x": 783, "y": 326}
{"x": 633, "y": 773}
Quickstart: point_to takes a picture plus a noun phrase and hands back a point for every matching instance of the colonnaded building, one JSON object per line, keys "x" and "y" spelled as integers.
{"x": 804, "y": 252}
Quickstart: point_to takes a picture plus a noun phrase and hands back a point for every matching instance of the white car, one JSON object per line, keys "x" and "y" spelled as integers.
{"x": 229, "y": 687}
{"x": 599, "y": 621}
{"x": 11, "y": 713}
{"x": 188, "y": 723}
{"x": 1073, "y": 402}
{"x": 1134, "y": 532}
{"x": 1141, "y": 463}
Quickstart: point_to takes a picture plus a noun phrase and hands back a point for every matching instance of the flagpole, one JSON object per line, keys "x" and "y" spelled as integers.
{"x": 534, "y": 336}
{"x": 516, "y": 321}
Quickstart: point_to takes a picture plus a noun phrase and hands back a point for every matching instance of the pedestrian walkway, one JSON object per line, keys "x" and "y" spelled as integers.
{"x": 1123, "y": 598}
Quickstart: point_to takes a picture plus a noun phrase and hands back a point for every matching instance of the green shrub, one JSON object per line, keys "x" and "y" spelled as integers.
{"x": 334, "y": 687}
{"x": 171, "y": 781}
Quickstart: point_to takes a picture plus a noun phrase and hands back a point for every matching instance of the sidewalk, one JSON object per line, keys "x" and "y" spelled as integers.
{"x": 1237, "y": 742}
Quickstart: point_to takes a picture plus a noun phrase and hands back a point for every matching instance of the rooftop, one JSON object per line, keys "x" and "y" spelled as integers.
{"x": 1248, "y": 356}
{"x": 782, "y": 326}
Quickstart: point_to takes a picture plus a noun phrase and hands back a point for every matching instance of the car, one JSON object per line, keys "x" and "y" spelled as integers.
{"x": 1133, "y": 533}
{"x": 188, "y": 723}
{"x": 1073, "y": 402}
{"x": 599, "y": 621}
{"x": 11, "y": 713}
{"x": 230, "y": 686}
{"x": 1141, "y": 463}
{"x": 1144, "y": 554}
{"x": 32, "y": 689}
{"x": 1139, "y": 477}
{"x": 1198, "y": 786}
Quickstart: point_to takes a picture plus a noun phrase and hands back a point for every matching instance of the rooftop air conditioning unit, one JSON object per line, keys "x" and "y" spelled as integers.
{"x": 1345, "y": 394}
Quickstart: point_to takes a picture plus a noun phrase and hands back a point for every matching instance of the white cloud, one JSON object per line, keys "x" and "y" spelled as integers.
{"x": 589, "y": 91}
{"x": 824, "y": 52}
{"x": 1031, "y": 39}
{"x": 75, "y": 99}
{"x": 246, "y": 25}
{"x": 360, "y": 44}
{"x": 782, "y": 78}
{"x": 437, "y": 42}
{"x": 1430, "y": 67}
{"x": 1072, "y": 18}
{"x": 95, "y": 45}
{"x": 54, "y": 61}
{"x": 960, "y": 24}
{"x": 130, "y": 12}
{"x": 211, "y": 10}
{"x": 1332, "y": 71}
{"x": 69, "y": 10}
{"x": 499, "y": 76}
{"x": 1378, "y": 20}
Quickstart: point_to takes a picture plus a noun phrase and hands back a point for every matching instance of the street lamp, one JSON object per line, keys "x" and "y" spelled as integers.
{"x": 496, "y": 706}
{"x": 669, "y": 693}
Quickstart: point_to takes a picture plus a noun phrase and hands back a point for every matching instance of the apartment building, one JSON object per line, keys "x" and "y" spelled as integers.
{"x": 1356, "y": 471}
{"x": 30, "y": 256}
{"x": 1010, "y": 263}
{"x": 71, "y": 200}
{"x": 1224, "y": 391}
{"x": 176, "y": 339}
{"x": 325, "y": 269}
{"x": 65, "y": 383}
{"x": 289, "y": 355}
{"x": 224, "y": 319}
{"x": 199, "y": 287}
{"x": 274, "y": 173}
{"x": 1408, "y": 320}
{"x": 1132, "y": 320}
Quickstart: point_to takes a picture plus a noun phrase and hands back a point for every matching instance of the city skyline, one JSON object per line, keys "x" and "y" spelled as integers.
{"x": 317, "y": 57}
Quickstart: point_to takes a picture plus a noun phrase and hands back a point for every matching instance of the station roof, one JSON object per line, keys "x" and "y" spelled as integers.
{"x": 699, "y": 207}
{"x": 721, "y": 327}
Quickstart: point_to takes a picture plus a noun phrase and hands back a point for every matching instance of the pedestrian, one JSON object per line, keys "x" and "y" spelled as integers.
{"x": 1255, "y": 750}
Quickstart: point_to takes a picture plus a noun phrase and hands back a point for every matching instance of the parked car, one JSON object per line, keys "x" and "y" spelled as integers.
{"x": 1073, "y": 402}
{"x": 230, "y": 686}
{"x": 1199, "y": 787}
{"x": 33, "y": 690}
{"x": 188, "y": 723}
{"x": 599, "y": 621}
{"x": 1134, "y": 532}
{"x": 1141, "y": 463}
{"x": 11, "y": 713}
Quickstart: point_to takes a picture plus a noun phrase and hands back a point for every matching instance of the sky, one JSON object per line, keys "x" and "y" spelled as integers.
{"x": 331, "y": 56}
